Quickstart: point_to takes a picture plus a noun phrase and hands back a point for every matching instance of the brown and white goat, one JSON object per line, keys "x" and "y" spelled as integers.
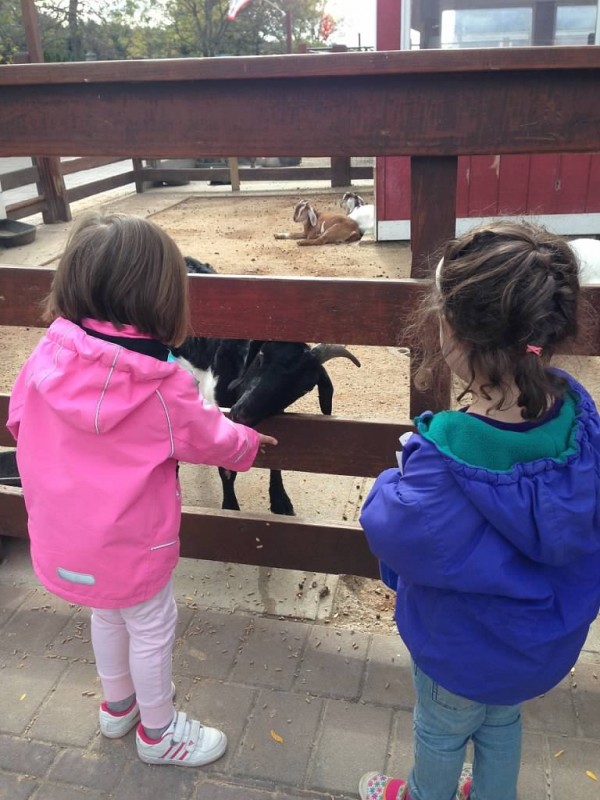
{"x": 321, "y": 227}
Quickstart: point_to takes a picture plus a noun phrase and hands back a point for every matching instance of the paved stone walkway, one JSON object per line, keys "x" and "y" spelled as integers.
{"x": 307, "y": 709}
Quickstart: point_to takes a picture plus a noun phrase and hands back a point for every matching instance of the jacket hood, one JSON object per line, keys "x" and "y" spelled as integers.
{"x": 537, "y": 488}
{"x": 95, "y": 384}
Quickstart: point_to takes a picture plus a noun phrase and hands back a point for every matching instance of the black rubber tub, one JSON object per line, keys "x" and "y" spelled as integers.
{"x": 14, "y": 233}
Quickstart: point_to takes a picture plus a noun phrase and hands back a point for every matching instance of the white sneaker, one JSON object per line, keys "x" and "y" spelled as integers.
{"x": 114, "y": 724}
{"x": 185, "y": 743}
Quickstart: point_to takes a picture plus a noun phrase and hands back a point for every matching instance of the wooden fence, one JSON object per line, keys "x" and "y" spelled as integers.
{"x": 42, "y": 201}
{"x": 431, "y": 105}
{"x": 53, "y": 199}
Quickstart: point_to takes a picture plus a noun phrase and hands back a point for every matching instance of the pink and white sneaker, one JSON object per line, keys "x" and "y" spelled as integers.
{"x": 465, "y": 783}
{"x": 114, "y": 724}
{"x": 375, "y": 786}
{"x": 185, "y": 743}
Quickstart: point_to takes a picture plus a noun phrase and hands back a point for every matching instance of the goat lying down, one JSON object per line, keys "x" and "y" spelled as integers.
{"x": 361, "y": 212}
{"x": 321, "y": 227}
{"x": 257, "y": 379}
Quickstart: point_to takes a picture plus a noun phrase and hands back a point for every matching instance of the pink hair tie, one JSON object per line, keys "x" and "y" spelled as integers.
{"x": 533, "y": 348}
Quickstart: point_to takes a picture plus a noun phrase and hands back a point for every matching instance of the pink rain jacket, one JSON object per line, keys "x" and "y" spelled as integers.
{"x": 99, "y": 431}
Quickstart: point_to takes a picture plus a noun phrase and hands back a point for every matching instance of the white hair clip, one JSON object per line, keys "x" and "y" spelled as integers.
{"x": 438, "y": 274}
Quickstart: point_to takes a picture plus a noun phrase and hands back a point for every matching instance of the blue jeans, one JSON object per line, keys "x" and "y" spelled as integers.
{"x": 443, "y": 724}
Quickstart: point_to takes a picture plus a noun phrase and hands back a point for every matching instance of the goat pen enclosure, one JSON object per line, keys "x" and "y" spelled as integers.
{"x": 431, "y": 106}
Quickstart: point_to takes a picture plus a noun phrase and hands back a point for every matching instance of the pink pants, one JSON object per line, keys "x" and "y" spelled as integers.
{"x": 133, "y": 648}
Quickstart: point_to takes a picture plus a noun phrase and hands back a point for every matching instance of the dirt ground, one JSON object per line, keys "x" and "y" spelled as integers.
{"x": 235, "y": 235}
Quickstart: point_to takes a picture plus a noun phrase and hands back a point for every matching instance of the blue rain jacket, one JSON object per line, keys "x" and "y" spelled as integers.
{"x": 491, "y": 539}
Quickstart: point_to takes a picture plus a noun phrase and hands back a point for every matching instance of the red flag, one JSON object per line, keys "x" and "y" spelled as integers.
{"x": 234, "y": 7}
{"x": 327, "y": 26}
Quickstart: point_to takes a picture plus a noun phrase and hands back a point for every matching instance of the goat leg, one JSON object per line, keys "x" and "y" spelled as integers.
{"x": 280, "y": 502}
{"x": 336, "y": 234}
{"x": 230, "y": 502}
{"x": 295, "y": 235}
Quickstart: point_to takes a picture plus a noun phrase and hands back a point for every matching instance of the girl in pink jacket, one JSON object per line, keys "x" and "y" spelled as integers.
{"x": 101, "y": 415}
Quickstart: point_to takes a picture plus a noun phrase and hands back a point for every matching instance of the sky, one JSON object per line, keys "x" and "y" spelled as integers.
{"x": 358, "y": 18}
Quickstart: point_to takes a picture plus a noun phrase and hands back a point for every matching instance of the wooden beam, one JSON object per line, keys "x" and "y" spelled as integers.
{"x": 363, "y": 311}
{"x": 404, "y": 103}
{"x": 340, "y": 171}
{"x": 275, "y": 541}
{"x": 261, "y": 539}
{"x": 89, "y": 162}
{"x": 101, "y": 185}
{"x": 432, "y": 224}
{"x": 433, "y": 210}
{"x": 50, "y": 183}
{"x": 32, "y": 31}
{"x": 311, "y": 443}
{"x": 234, "y": 174}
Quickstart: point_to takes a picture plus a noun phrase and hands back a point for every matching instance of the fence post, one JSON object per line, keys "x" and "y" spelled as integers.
{"x": 138, "y": 171}
{"x": 340, "y": 171}
{"x": 51, "y": 184}
{"x": 432, "y": 223}
{"x": 234, "y": 174}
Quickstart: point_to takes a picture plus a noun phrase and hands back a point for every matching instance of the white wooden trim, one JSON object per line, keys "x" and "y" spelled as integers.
{"x": 405, "y": 19}
{"x": 393, "y": 230}
{"x": 564, "y": 224}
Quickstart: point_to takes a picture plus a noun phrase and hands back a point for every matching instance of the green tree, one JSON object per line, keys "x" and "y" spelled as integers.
{"x": 12, "y": 35}
{"x": 120, "y": 29}
{"x": 202, "y": 27}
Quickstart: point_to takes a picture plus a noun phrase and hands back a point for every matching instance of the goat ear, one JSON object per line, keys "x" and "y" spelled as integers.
{"x": 325, "y": 389}
{"x": 312, "y": 216}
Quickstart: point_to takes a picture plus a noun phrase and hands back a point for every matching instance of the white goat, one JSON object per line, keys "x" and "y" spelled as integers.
{"x": 588, "y": 255}
{"x": 361, "y": 212}
{"x": 322, "y": 227}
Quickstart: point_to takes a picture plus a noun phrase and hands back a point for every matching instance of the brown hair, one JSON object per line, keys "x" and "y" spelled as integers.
{"x": 124, "y": 270}
{"x": 502, "y": 287}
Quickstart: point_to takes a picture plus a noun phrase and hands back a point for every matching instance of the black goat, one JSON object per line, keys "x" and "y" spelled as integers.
{"x": 257, "y": 379}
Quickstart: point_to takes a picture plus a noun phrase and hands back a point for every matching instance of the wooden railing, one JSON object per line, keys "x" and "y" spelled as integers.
{"x": 340, "y": 172}
{"x": 145, "y": 172}
{"x": 40, "y": 202}
{"x": 432, "y": 106}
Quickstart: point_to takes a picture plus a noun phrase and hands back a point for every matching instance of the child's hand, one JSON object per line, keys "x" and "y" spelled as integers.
{"x": 263, "y": 439}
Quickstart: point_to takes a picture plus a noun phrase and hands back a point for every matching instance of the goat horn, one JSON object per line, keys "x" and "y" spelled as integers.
{"x": 325, "y": 352}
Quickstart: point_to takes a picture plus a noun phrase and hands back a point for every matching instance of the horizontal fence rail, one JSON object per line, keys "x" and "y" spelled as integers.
{"x": 39, "y": 202}
{"x": 425, "y": 103}
{"x": 336, "y": 310}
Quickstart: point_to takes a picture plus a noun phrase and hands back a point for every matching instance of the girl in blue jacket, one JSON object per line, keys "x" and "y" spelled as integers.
{"x": 490, "y": 530}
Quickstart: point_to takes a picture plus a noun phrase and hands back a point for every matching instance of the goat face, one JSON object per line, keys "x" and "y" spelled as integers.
{"x": 350, "y": 201}
{"x": 278, "y": 373}
{"x": 304, "y": 212}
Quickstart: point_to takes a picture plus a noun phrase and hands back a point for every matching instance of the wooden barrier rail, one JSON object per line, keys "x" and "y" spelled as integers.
{"x": 38, "y": 202}
{"x": 431, "y": 105}
{"x": 145, "y": 175}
